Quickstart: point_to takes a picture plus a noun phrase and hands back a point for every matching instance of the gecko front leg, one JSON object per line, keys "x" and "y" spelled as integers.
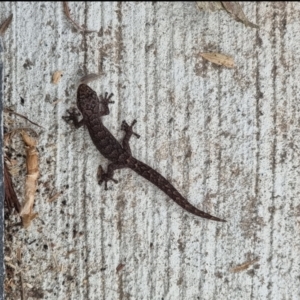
{"x": 105, "y": 101}
{"x": 73, "y": 117}
{"x": 128, "y": 133}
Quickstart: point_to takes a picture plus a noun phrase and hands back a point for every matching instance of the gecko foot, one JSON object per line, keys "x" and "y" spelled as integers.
{"x": 128, "y": 129}
{"x": 106, "y": 99}
{"x": 104, "y": 177}
{"x": 72, "y": 116}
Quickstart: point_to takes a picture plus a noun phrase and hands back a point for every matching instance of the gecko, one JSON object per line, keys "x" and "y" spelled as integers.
{"x": 119, "y": 154}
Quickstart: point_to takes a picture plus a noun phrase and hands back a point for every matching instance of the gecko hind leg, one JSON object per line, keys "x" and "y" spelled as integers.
{"x": 104, "y": 177}
{"x": 128, "y": 133}
{"x": 108, "y": 176}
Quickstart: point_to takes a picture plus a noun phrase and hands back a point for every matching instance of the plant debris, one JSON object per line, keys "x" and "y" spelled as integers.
{"x": 55, "y": 196}
{"x": 9, "y": 135}
{"x": 5, "y": 25}
{"x": 88, "y": 78}
{"x": 211, "y": 6}
{"x": 232, "y": 8}
{"x": 120, "y": 267}
{"x": 11, "y": 199}
{"x": 244, "y": 266}
{"x": 19, "y": 260}
{"x": 68, "y": 15}
{"x": 8, "y": 110}
{"x": 219, "y": 59}
{"x": 27, "y": 213}
{"x": 56, "y": 77}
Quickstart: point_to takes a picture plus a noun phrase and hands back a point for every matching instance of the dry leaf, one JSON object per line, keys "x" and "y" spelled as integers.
{"x": 10, "y": 168}
{"x": 12, "y": 266}
{"x": 120, "y": 267}
{"x": 7, "y": 258}
{"x": 27, "y": 213}
{"x": 68, "y": 15}
{"x": 67, "y": 10}
{"x": 9, "y": 135}
{"x": 90, "y": 77}
{"x": 212, "y": 6}
{"x": 244, "y": 266}
{"x": 5, "y": 24}
{"x": 56, "y": 77}
{"x": 219, "y": 59}
{"x": 233, "y": 8}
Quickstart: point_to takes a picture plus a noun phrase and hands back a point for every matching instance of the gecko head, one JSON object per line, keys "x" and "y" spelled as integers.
{"x": 87, "y": 100}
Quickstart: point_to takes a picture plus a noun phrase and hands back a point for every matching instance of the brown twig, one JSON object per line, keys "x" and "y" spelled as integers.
{"x": 55, "y": 196}
{"x": 120, "y": 267}
{"x": 17, "y": 114}
{"x": 244, "y": 266}
{"x": 19, "y": 259}
{"x": 5, "y": 24}
{"x": 76, "y": 25}
{"x": 11, "y": 199}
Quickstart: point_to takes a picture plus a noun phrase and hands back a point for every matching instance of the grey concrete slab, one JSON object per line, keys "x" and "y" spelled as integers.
{"x": 228, "y": 139}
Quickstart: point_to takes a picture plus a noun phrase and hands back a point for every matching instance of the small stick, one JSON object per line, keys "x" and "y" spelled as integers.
{"x": 11, "y": 198}
{"x": 68, "y": 15}
{"x": 11, "y": 111}
{"x": 5, "y": 24}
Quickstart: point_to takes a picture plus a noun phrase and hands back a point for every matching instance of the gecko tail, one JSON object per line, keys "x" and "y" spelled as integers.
{"x": 193, "y": 210}
{"x": 162, "y": 183}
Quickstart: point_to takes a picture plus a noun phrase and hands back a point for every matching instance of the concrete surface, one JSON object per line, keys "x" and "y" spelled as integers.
{"x": 228, "y": 139}
{"x": 2, "y": 174}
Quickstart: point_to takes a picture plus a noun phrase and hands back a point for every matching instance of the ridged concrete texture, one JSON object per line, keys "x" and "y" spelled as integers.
{"x": 228, "y": 139}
